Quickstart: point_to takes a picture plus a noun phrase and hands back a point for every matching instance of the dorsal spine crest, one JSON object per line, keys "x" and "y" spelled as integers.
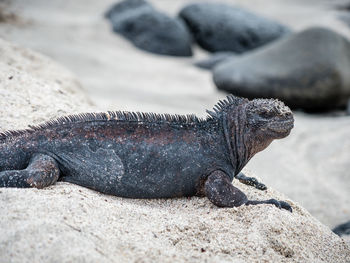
{"x": 121, "y": 116}
{"x": 125, "y": 116}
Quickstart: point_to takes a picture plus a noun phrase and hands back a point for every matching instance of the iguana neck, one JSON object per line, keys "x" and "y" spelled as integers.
{"x": 235, "y": 139}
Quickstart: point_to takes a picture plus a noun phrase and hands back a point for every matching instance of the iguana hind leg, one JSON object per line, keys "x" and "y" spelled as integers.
{"x": 252, "y": 181}
{"x": 42, "y": 171}
{"x": 222, "y": 193}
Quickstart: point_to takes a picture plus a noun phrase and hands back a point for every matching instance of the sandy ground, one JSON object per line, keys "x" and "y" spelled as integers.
{"x": 311, "y": 166}
{"x": 68, "y": 223}
{"x": 35, "y": 77}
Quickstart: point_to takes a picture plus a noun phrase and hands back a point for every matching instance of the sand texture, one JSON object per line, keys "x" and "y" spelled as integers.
{"x": 310, "y": 166}
{"x": 69, "y": 223}
{"x": 33, "y": 84}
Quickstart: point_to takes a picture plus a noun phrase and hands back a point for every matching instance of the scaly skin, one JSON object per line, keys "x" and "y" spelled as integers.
{"x": 145, "y": 155}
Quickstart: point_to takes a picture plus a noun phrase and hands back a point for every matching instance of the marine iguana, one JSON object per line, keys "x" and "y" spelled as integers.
{"x": 148, "y": 155}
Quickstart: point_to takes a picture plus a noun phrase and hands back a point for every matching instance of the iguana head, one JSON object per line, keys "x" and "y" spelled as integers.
{"x": 265, "y": 121}
{"x": 269, "y": 118}
{"x": 251, "y": 125}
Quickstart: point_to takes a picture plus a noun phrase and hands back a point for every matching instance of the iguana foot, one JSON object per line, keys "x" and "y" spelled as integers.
{"x": 220, "y": 191}
{"x": 42, "y": 171}
{"x": 250, "y": 181}
{"x": 279, "y": 204}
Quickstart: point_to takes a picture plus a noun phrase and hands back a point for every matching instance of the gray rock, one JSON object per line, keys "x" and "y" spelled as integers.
{"x": 219, "y": 27}
{"x": 345, "y": 18}
{"x": 215, "y": 59}
{"x": 118, "y": 10}
{"x": 343, "y": 229}
{"x": 149, "y": 29}
{"x": 308, "y": 70}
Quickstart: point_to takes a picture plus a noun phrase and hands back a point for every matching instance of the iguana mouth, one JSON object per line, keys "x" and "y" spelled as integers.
{"x": 282, "y": 127}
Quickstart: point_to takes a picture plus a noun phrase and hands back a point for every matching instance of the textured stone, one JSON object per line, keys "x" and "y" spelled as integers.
{"x": 149, "y": 29}
{"x": 220, "y": 27}
{"x": 308, "y": 70}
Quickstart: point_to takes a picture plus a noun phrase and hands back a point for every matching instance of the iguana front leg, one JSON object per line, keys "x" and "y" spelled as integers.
{"x": 42, "y": 171}
{"x": 252, "y": 181}
{"x": 220, "y": 191}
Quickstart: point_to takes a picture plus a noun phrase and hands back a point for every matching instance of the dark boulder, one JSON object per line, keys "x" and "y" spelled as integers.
{"x": 149, "y": 29}
{"x": 343, "y": 229}
{"x": 308, "y": 70}
{"x": 118, "y": 10}
{"x": 220, "y": 27}
{"x": 215, "y": 59}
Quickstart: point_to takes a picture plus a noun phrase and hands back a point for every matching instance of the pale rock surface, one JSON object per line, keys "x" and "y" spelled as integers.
{"x": 31, "y": 83}
{"x": 69, "y": 223}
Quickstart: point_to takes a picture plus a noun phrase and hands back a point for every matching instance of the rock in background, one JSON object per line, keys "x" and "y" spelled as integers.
{"x": 149, "y": 29}
{"x": 308, "y": 70}
{"x": 220, "y": 27}
{"x": 342, "y": 229}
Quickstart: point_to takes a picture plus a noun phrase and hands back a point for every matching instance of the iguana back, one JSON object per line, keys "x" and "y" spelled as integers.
{"x": 147, "y": 155}
{"x": 128, "y": 155}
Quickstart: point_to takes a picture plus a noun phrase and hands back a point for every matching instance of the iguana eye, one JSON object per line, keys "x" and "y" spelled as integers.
{"x": 267, "y": 114}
